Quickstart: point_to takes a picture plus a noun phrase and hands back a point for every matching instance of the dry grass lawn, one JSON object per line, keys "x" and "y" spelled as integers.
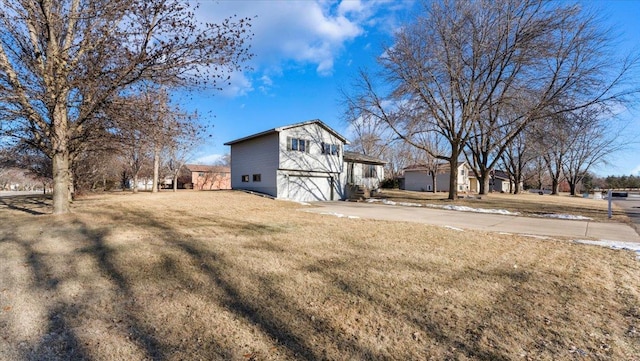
{"x": 528, "y": 204}
{"x": 229, "y": 276}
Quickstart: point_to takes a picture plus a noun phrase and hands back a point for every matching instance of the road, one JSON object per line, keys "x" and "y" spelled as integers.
{"x": 631, "y": 206}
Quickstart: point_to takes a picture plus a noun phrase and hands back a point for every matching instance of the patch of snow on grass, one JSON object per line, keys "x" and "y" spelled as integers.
{"x": 535, "y": 236}
{"x": 475, "y": 210}
{"x": 631, "y": 246}
{"x": 566, "y": 216}
{"x": 392, "y": 203}
{"x": 454, "y": 228}
{"x": 339, "y": 215}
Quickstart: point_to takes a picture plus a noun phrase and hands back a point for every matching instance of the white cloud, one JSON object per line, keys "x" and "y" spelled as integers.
{"x": 299, "y": 32}
{"x": 237, "y": 85}
{"x": 207, "y": 159}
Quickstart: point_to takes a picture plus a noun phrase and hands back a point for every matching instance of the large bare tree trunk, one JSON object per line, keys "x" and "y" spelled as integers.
{"x": 485, "y": 178}
{"x": 156, "y": 168}
{"x": 61, "y": 183}
{"x": 453, "y": 177}
{"x": 516, "y": 186}
{"x": 60, "y": 162}
{"x": 555, "y": 186}
{"x": 434, "y": 179}
{"x": 135, "y": 182}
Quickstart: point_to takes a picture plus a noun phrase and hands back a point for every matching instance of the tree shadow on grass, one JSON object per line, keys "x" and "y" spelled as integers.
{"x": 272, "y": 311}
{"x": 31, "y": 204}
{"x": 59, "y": 342}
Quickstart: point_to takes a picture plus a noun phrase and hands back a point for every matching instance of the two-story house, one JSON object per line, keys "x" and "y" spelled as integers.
{"x": 303, "y": 162}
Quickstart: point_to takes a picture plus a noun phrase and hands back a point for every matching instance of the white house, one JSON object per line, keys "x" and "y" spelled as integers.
{"x": 418, "y": 178}
{"x": 304, "y": 162}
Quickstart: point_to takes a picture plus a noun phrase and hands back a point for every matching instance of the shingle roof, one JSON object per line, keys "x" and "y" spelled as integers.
{"x": 442, "y": 167}
{"x": 362, "y": 158}
{"x": 279, "y": 129}
{"x": 207, "y": 168}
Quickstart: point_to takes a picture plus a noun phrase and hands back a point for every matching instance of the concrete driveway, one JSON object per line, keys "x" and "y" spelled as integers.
{"x": 575, "y": 229}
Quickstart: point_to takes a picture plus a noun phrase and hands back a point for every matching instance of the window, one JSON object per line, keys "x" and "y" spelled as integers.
{"x": 201, "y": 174}
{"x": 245, "y": 178}
{"x": 332, "y": 149}
{"x": 297, "y": 144}
{"x": 257, "y": 177}
{"x": 369, "y": 171}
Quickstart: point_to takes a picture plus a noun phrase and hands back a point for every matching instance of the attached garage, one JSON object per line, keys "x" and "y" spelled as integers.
{"x": 309, "y": 188}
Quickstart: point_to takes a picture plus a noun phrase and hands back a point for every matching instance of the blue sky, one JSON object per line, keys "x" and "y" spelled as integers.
{"x": 306, "y": 51}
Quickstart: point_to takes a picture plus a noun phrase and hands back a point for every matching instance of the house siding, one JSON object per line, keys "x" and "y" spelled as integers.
{"x": 309, "y": 175}
{"x": 355, "y": 174}
{"x": 420, "y": 180}
{"x": 256, "y": 156}
{"x": 417, "y": 180}
{"x": 211, "y": 180}
{"x": 313, "y": 159}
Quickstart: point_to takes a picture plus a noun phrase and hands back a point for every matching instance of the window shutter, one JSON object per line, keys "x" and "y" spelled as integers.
{"x": 288, "y": 143}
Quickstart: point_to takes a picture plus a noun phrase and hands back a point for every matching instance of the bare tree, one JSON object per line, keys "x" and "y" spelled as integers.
{"x": 516, "y": 159}
{"x": 184, "y": 136}
{"x": 477, "y": 72}
{"x": 371, "y": 135}
{"x": 593, "y": 138}
{"x": 62, "y": 61}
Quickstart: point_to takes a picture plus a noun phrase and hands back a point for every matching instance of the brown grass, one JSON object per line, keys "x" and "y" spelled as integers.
{"x": 229, "y": 276}
{"x": 528, "y": 204}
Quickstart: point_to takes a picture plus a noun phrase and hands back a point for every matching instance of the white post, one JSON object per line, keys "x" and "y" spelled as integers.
{"x": 609, "y": 198}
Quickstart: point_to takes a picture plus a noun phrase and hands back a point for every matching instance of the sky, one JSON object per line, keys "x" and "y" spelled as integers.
{"x": 306, "y": 51}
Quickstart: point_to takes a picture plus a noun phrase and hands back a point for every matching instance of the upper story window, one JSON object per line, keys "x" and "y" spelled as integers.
{"x": 332, "y": 149}
{"x": 297, "y": 144}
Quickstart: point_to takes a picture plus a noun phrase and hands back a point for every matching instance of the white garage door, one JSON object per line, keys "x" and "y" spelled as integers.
{"x": 309, "y": 189}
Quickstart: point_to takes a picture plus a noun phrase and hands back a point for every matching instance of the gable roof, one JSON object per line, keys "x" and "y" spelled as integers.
{"x": 442, "y": 167}
{"x": 207, "y": 168}
{"x": 279, "y": 129}
{"x": 500, "y": 174}
{"x": 361, "y": 158}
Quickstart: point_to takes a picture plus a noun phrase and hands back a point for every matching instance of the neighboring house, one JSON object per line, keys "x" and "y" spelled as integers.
{"x": 146, "y": 183}
{"x": 208, "y": 177}
{"x": 418, "y": 178}
{"x": 303, "y": 162}
{"x": 500, "y": 182}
